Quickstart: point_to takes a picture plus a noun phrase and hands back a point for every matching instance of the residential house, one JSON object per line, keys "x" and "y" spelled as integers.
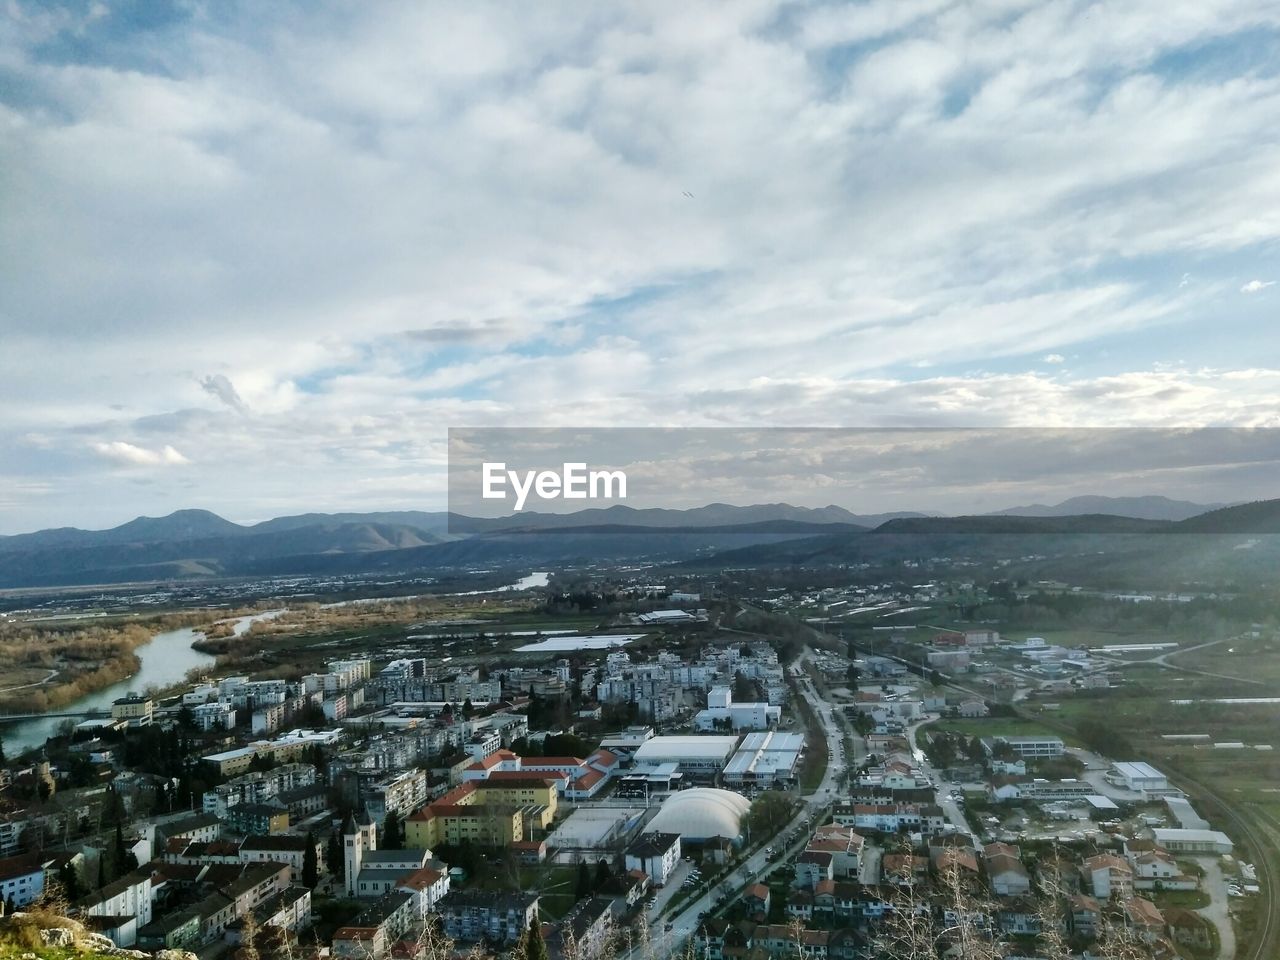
{"x": 473, "y": 915}
{"x": 657, "y": 854}
{"x": 1109, "y": 876}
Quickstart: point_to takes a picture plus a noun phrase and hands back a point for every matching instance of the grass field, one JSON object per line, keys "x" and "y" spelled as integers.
{"x": 996, "y": 727}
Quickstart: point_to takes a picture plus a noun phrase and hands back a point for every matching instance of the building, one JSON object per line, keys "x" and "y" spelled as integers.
{"x": 135, "y": 710}
{"x": 702, "y": 757}
{"x": 700, "y": 814}
{"x": 258, "y": 817}
{"x": 1005, "y": 871}
{"x": 1139, "y": 777}
{"x": 21, "y": 879}
{"x": 494, "y": 812}
{"x": 766, "y": 758}
{"x": 129, "y": 896}
{"x": 214, "y": 716}
{"x": 1193, "y": 841}
{"x": 1027, "y": 747}
{"x": 723, "y": 713}
{"x": 469, "y": 916}
{"x": 428, "y": 885}
{"x": 1109, "y": 876}
{"x": 287, "y": 849}
{"x": 376, "y": 929}
{"x": 359, "y": 836}
{"x": 656, "y": 854}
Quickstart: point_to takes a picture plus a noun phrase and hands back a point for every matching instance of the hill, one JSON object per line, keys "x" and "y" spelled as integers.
{"x": 1139, "y": 508}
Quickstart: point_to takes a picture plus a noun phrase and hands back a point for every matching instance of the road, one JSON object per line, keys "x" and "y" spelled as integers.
{"x": 684, "y": 920}
{"x": 952, "y": 809}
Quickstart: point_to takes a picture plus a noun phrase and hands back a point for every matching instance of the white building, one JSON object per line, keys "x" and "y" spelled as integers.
{"x": 697, "y": 756}
{"x": 765, "y": 758}
{"x": 214, "y": 716}
{"x": 130, "y": 896}
{"x": 722, "y": 712}
{"x": 1139, "y": 777}
{"x": 656, "y": 854}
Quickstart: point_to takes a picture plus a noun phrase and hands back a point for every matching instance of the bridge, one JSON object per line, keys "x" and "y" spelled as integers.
{"x": 83, "y": 714}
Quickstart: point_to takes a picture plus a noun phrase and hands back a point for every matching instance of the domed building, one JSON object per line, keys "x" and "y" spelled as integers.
{"x": 700, "y": 814}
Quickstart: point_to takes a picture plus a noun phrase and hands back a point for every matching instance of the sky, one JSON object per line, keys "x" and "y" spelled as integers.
{"x": 258, "y": 258}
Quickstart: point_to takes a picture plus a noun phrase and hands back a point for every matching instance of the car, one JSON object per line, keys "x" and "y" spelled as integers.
{"x": 668, "y": 926}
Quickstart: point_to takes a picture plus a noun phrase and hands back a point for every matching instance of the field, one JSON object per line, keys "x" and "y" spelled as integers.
{"x": 997, "y": 727}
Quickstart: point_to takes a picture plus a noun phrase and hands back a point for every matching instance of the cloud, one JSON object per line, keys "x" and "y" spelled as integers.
{"x": 219, "y": 386}
{"x": 459, "y": 331}
{"x": 128, "y": 453}
{"x": 1256, "y": 286}
{"x": 468, "y": 213}
{"x": 1054, "y": 358}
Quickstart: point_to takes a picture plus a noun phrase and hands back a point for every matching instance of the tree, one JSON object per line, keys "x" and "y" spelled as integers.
{"x": 583, "y": 887}
{"x": 333, "y": 854}
{"x": 604, "y": 875}
{"x": 70, "y": 880}
{"x": 467, "y": 709}
{"x": 391, "y": 839}
{"x": 769, "y": 812}
{"x": 532, "y": 946}
{"x": 120, "y": 851}
{"x": 310, "y": 866}
{"x": 248, "y": 938}
{"x": 974, "y": 748}
{"x": 935, "y": 678}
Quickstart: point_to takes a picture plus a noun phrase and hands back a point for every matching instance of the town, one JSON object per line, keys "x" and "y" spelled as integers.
{"x": 693, "y": 774}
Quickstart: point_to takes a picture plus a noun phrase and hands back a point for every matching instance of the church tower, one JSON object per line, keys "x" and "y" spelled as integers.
{"x": 359, "y": 836}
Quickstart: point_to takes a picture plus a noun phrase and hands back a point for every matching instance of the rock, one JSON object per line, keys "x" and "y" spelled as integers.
{"x": 98, "y": 943}
{"x": 176, "y": 955}
{"x": 57, "y": 937}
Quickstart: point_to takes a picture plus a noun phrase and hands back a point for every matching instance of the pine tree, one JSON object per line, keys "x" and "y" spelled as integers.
{"x": 391, "y": 839}
{"x": 535, "y": 948}
{"x": 310, "y": 867}
{"x": 604, "y": 876}
{"x": 121, "y": 854}
{"x": 337, "y": 862}
{"x": 70, "y": 881}
{"x": 583, "y": 887}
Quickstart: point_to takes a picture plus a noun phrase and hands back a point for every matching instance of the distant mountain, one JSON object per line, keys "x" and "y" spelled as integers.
{"x": 181, "y": 525}
{"x": 197, "y": 544}
{"x": 711, "y": 515}
{"x": 1140, "y": 508}
{"x": 1009, "y": 524}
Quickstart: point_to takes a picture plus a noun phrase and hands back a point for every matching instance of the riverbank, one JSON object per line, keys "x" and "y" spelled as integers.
{"x": 79, "y": 660}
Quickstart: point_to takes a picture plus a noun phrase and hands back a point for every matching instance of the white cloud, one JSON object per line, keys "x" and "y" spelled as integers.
{"x": 1256, "y": 286}
{"x": 1054, "y": 358}
{"x": 476, "y": 213}
{"x": 122, "y": 452}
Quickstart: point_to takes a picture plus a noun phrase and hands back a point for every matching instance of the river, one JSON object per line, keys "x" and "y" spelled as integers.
{"x": 164, "y": 661}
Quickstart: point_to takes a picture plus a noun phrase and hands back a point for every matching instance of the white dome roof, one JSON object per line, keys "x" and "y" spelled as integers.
{"x": 701, "y": 813}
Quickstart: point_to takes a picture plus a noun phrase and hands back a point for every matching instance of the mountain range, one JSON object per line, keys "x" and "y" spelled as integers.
{"x": 198, "y": 544}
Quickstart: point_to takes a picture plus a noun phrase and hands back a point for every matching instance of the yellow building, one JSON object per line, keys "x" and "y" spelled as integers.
{"x": 135, "y": 710}
{"x": 520, "y": 791}
{"x": 490, "y": 813}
